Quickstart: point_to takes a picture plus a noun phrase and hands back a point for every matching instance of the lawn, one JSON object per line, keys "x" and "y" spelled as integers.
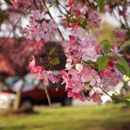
{"x": 68, "y": 118}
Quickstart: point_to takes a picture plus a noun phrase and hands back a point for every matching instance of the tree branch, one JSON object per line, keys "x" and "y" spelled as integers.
{"x": 1, "y": 46}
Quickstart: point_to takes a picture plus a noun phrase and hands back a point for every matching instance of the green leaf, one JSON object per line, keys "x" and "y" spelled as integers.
{"x": 127, "y": 102}
{"x": 87, "y": 84}
{"x": 121, "y": 68}
{"x": 127, "y": 97}
{"x": 69, "y": 21}
{"x": 55, "y": 61}
{"x": 114, "y": 96}
{"x": 128, "y": 33}
{"x": 105, "y": 41}
{"x": 8, "y": 2}
{"x": 87, "y": 62}
{"x": 106, "y": 45}
{"x": 124, "y": 45}
{"x": 102, "y": 62}
{"x": 83, "y": 25}
{"x": 4, "y": 16}
{"x": 92, "y": 6}
{"x": 100, "y": 4}
{"x": 123, "y": 62}
{"x": 52, "y": 50}
{"x": 50, "y": 6}
{"x": 123, "y": 26}
{"x": 60, "y": 16}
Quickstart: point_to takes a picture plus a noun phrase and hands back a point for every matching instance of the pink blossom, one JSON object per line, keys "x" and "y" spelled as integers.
{"x": 91, "y": 1}
{"x": 110, "y": 75}
{"x": 68, "y": 63}
{"x": 79, "y": 32}
{"x": 47, "y": 76}
{"x": 41, "y": 30}
{"x": 37, "y": 15}
{"x": 93, "y": 18}
{"x": 36, "y": 33}
{"x": 90, "y": 54}
{"x": 96, "y": 97}
{"x": 35, "y": 69}
{"x": 65, "y": 76}
{"x": 121, "y": 35}
{"x": 79, "y": 67}
{"x": 16, "y": 4}
{"x": 109, "y": 71}
{"x": 90, "y": 75}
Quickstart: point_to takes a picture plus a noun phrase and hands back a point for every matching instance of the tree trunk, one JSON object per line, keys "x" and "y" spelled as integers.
{"x": 16, "y": 103}
{"x": 1, "y": 83}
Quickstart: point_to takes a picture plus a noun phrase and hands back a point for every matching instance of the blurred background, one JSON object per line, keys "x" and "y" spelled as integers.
{"x": 23, "y": 99}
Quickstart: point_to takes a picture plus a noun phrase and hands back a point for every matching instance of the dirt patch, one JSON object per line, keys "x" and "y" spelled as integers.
{"x": 125, "y": 108}
{"x": 20, "y": 111}
{"x": 125, "y": 126}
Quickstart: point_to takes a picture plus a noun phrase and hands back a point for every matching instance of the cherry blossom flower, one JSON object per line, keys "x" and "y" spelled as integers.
{"x": 39, "y": 29}
{"x": 68, "y": 63}
{"x": 16, "y": 4}
{"x": 96, "y": 97}
{"x": 46, "y": 76}
{"x": 93, "y": 18}
{"x": 33, "y": 67}
{"x": 91, "y": 1}
{"x": 37, "y": 15}
{"x": 90, "y": 75}
{"x": 90, "y": 54}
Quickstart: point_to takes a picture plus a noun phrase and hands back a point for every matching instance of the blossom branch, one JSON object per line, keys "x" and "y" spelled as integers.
{"x": 46, "y": 9}
{"x": 124, "y": 17}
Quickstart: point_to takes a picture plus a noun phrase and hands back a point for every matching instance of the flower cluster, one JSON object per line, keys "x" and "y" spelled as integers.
{"x": 82, "y": 71}
{"x": 120, "y": 35}
{"x": 16, "y": 4}
{"x": 81, "y": 15}
{"x": 43, "y": 74}
{"x": 39, "y": 28}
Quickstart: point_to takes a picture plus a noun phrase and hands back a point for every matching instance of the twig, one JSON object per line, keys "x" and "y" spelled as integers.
{"x": 123, "y": 17}
{"x": 62, "y": 6}
{"x": 59, "y": 8}
{"x": 14, "y": 26}
{"x": 48, "y": 97}
{"x": 35, "y": 4}
{"x": 106, "y": 93}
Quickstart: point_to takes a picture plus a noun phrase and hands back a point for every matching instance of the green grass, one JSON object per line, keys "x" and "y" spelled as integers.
{"x": 68, "y": 118}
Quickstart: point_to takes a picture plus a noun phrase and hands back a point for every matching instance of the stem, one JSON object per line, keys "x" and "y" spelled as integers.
{"x": 59, "y": 8}
{"x": 106, "y": 93}
{"x": 62, "y": 6}
{"x": 46, "y": 9}
{"x": 123, "y": 17}
{"x": 48, "y": 97}
{"x": 14, "y": 26}
{"x": 35, "y": 4}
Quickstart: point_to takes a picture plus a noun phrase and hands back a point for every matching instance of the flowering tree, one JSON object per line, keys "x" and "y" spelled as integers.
{"x": 89, "y": 64}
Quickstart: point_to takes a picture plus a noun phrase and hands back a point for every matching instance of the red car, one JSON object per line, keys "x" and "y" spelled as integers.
{"x": 33, "y": 92}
